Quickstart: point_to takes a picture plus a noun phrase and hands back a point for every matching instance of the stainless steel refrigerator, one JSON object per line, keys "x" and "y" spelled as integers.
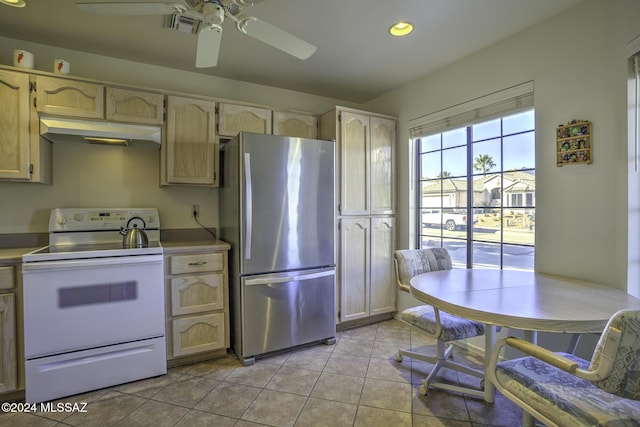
{"x": 277, "y": 210}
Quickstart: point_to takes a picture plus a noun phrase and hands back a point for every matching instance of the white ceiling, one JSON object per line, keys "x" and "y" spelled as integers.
{"x": 356, "y": 59}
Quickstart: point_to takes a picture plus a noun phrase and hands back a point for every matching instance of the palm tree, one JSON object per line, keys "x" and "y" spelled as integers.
{"x": 484, "y": 163}
{"x": 444, "y": 174}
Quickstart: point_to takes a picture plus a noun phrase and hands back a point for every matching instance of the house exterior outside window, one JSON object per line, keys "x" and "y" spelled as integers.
{"x": 476, "y": 192}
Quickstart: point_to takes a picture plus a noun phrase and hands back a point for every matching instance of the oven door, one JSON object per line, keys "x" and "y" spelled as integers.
{"x": 80, "y": 304}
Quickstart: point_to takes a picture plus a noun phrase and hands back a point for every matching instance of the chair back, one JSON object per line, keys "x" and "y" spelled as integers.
{"x": 411, "y": 262}
{"x": 624, "y": 379}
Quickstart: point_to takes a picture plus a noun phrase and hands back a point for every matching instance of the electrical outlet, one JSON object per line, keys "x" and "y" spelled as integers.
{"x": 195, "y": 210}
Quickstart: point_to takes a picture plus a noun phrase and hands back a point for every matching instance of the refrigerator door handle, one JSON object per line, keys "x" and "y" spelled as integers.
{"x": 288, "y": 278}
{"x": 248, "y": 205}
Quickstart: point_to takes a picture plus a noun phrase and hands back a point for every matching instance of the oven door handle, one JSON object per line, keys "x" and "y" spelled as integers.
{"x": 91, "y": 262}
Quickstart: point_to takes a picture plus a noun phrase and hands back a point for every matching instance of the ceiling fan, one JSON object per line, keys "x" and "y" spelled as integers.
{"x": 205, "y": 18}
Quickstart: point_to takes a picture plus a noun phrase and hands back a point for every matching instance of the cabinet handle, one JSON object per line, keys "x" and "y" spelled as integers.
{"x": 198, "y": 263}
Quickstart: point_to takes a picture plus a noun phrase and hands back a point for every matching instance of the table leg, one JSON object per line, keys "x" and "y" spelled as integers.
{"x": 531, "y": 336}
{"x": 527, "y": 419}
{"x": 489, "y": 342}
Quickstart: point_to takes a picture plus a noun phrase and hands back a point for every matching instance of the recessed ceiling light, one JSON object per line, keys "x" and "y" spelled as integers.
{"x": 14, "y": 3}
{"x": 401, "y": 28}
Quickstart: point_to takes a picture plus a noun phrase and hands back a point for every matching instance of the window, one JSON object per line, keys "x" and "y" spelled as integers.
{"x": 633, "y": 174}
{"x": 475, "y": 192}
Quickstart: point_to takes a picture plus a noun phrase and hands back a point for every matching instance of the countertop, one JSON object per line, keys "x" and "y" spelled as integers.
{"x": 14, "y": 246}
{"x": 173, "y": 246}
{"x": 13, "y": 255}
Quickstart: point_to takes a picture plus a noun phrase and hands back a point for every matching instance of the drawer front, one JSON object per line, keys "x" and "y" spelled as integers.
{"x": 195, "y": 263}
{"x": 197, "y": 334}
{"x": 7, "y": 277}
{"x": 197, "y": 294}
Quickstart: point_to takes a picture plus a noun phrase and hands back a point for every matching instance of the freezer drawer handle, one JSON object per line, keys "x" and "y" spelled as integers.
{"x": 198, "y": 263}
{"x": 248, "y": 205}
{"x": 283, "y": 279}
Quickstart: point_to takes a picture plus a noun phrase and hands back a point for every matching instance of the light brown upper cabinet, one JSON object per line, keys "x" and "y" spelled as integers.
{"x": 25, "y": 156}
{"x": 236, "y": 118}
{"x": 365, "y": 149}
{"x": 295, "y": 124}
{"x": 382, "y": 169}
{"x": 14, "y": 122}
{"x": 190, "y": 151}
{"x": 64, "y": 97}
{"x": 125, "y": 105}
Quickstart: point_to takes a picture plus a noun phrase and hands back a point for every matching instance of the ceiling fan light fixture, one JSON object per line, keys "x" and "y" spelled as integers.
{"x": 213, "y": 13}
{"x": 401, "y": 29}
{"x": 14, "y": 3}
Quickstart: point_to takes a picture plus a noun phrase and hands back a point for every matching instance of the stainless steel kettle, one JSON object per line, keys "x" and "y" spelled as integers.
{"x": 134, "y": 237}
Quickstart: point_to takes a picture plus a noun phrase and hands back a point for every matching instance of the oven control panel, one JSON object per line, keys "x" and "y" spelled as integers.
{"x": 98, "y": 219}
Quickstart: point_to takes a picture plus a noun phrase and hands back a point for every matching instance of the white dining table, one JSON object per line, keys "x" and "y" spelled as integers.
{"x": 533, "y": 302}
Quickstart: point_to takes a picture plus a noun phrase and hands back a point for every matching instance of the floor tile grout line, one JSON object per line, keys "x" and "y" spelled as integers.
{"x": 185, "y": 375}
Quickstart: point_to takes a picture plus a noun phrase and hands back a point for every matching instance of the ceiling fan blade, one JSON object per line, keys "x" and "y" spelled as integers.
{"x": 208, "y": 46}
{"x": 131, "y": 8}
{"x": 275, "y": 37}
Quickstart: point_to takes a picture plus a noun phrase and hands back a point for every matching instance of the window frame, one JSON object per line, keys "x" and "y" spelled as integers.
{"x": 523, "y": 201}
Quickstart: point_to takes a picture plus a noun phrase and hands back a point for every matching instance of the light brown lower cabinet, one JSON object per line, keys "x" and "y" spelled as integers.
{"x": 197, "y": 303}
{"x": 366, "y": 281}
{"x": 8, "y": 329}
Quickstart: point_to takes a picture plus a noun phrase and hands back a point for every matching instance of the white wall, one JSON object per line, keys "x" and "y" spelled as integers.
{"x": 578, "y": 65}
{"x": 100, "y": 176}
{"x": 576, "y": 60}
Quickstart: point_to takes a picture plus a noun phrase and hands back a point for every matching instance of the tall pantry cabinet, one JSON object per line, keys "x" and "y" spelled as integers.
{"x": 365, "y": 185}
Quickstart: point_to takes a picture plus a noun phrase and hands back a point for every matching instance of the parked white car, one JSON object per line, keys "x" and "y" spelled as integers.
{"x": 451, "y": 220}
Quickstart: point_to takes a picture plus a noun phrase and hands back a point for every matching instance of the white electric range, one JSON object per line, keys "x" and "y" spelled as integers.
{"x": 94, "y": 311}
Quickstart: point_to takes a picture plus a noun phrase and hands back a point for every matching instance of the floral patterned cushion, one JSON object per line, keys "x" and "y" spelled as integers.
{"x": 565, "y": 398}
{"x": 453, "y": 327}
{"x": 624, "y": 379}
{"x": 412, "y": 262}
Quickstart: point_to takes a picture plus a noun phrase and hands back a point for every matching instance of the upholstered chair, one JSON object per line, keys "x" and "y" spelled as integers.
{"x": 436, "y": 324}
{"x": 561, "y": 389}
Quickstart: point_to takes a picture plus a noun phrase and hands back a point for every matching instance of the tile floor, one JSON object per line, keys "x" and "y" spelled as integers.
{"x": 355, "y": 382}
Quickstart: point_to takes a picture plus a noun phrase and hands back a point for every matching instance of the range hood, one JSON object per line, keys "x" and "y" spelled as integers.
{"x": 60, "y": 129}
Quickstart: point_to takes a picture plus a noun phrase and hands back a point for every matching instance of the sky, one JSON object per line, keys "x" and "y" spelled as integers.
{"x": 518, "y": 150}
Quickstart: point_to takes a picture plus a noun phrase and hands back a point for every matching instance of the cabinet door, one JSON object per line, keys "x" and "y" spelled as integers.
{"x": 197, "y": 334}
{"x": 135, "y": 106}
{"x": 383, "y": 137}
{"x": 233, "y": 119}
{"x": 195, "y": 294}
{"x": 383, "y": 243}
{"x": 190, "y": 146}
{"x": 354, "y": 164}
{"x": 69, "y": 98}
{"x": 294, "y": 124}
{"x": 8, "y": 361}
{"x": 354, "y": 268}
{"x": 14, "y": 125}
